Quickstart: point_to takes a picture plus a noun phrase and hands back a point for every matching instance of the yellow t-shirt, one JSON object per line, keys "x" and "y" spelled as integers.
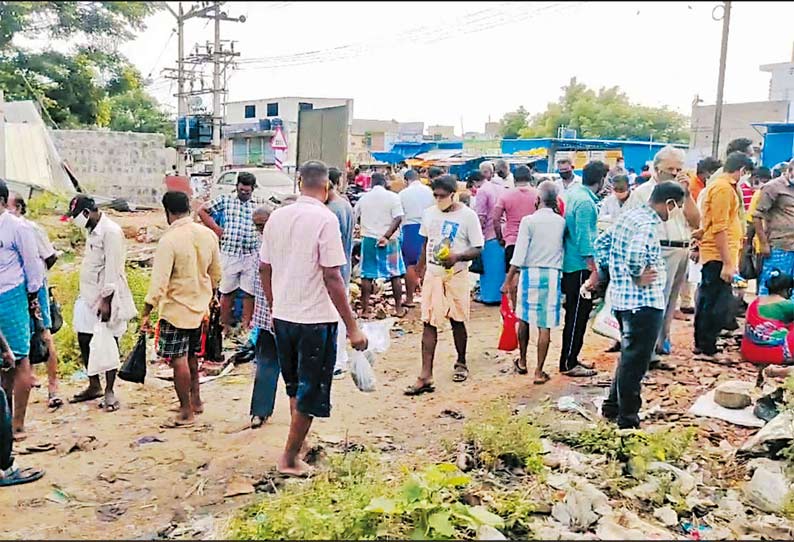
{"x": 721, "y": 214}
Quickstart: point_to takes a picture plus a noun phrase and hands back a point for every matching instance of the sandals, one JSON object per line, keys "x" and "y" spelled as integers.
{"x": 175, "y": 423}
{"x": 543, "y": 378}
{"x": 20, "y": 476}
{"x": 257, "y": 422}
{"x": 461, "y": 373}
{"x": 402, "y": 314}
{"x": 520, "y": 370}
{"x": 414, "y": 390}
{"x": 580, "y": 371}
{"x": 84, "y": 396}
{"x": 54, "y": 402}
{"x": 112, "y": 407}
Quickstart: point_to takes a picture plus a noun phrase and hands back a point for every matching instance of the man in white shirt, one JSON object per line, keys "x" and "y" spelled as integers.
{"x": 415, "y": 198}
{"x": 381, "y": 214}
{"x": 568, "y": 179}
{"x": 674, "y": 234}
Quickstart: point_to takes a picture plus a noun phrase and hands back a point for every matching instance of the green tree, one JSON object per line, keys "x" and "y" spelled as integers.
{"x": 606, "y": 114}
{"x": 513, "y": 122}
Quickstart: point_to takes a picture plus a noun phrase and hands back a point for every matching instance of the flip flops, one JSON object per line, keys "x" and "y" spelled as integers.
{"x": 461, "y": 373}
{"x": 20, "y": 476}
{"x": 414, "y": 390}
{"x": 520, "y": 370}
{"x": 54, "y": 402}
{"x": 173, "y": 423}
{"x": 580, "y": 371}
{"x": 112, "y": 407}
{"x": 543, "y": 379}
{"x": 83, "y": 396}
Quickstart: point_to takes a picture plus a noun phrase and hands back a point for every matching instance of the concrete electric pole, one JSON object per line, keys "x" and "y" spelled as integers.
{"x": 214, "y": 54}
{"x": 726, "y": 23}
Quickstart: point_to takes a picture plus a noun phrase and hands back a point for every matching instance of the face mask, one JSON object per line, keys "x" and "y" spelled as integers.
{"x": 444, "y": 204}
{"x": 675, "y": 212}
{"x": 81, "y": 220}
{"x": 567, "y": 175}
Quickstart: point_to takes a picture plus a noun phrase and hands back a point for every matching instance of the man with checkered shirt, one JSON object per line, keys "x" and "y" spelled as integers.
{"x": 631, "y": 251}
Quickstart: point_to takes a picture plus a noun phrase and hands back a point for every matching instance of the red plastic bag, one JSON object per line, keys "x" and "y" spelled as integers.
{"x": 508, "y": 339}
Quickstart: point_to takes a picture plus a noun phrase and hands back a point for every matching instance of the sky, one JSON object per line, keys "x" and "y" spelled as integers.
{"x": 456, "y": 63}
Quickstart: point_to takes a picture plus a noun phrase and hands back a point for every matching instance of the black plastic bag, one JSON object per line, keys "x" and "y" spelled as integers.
{"x": 768, "y": 406}
{"x": 55, "y": 314}
{"x": 477, "y": 265}
{"x": 244, "y": 354}
{"x": 748, "y": 266}
{"x": 213, "y": 348}
{"x": 39, "y": 351}
{"x": 134, "y": 367}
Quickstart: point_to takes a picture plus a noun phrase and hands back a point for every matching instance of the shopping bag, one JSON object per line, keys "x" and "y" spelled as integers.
{"x": 361, "y": 371}
{"x": 134, "y": 367}
{"x": 748, "y": 267}
{"x": 39, "y": 350}
{"x": 378, "y": 339}
{"x": 477, "y": 266}
{"x": 104, "y": 354}
{"x": 605, "y": 323}
{"x": 508, "y": 339}
{"x": 213, "y": 347}
{"x": 56, "y": 314}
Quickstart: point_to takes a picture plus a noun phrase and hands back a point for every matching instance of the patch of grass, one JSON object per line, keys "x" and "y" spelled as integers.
{"x": 498, "y": 434}
{"x": 516, "y": 507}
{"x": 636, "y": 447}
{"x": 66, "y": 286}
{"x": 46, "y": 203}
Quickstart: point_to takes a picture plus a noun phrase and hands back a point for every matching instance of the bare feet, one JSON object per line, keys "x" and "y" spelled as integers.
{"x": 19, "y": 435}
{"x": 298, "y": 469}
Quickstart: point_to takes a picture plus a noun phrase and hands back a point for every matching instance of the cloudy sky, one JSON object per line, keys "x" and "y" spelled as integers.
{"x": 442, "y": 62}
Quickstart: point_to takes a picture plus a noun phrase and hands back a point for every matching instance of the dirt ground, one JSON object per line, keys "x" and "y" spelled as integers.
{"x": 124, "y": 490}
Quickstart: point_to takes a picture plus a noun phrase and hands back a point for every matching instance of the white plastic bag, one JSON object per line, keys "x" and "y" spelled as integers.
{"x": 605, "y": 323}
{"x": 104, "y": 354}
{"x": 378, "y": 334}
{"x": 361, "y": 371}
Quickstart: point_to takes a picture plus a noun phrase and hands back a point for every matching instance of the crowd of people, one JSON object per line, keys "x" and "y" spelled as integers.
{"x": 550, "y": 248}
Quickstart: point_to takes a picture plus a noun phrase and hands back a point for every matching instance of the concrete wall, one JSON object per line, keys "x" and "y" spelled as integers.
{"x": 737, "y": 122}
{"x": 117, "y": 164}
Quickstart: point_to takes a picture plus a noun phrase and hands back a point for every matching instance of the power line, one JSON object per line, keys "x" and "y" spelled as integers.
{"x": 160, "y": 56}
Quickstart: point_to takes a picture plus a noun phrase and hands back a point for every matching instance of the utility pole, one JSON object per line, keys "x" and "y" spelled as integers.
{"x": 207, "y": 10}
{"x": 726, "y": 23}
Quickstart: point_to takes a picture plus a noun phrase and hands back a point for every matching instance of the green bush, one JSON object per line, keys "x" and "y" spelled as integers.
{"x": 66, "y": 286}
{"x": 46, "y": 203}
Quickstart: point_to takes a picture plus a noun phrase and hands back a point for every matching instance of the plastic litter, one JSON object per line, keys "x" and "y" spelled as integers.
{"x": 361, "y": 372}
{"x": 377, "y": 333}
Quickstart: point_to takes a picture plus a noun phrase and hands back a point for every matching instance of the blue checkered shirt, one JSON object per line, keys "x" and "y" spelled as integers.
{"x": 239, "y": 235}
{"x": 627, "y": 248}
{"x": 262, "y": 318}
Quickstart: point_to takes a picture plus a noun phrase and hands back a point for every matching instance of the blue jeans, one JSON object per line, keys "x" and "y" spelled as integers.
{"x": 639, "y": 329}
{"x": 263, "y": 398}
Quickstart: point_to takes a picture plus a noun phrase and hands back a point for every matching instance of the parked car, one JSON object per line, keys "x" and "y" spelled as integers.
{"x": 270, "y": 183}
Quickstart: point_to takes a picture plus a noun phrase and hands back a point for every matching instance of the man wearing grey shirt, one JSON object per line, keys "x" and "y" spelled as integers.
{"x": 538, "y": 258}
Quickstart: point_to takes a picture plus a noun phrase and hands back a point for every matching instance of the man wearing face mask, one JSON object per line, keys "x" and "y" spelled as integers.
{"x": 239, "y": 242}
{"x": 104, "y": 293}
{"x": 503, "y": 176}
{"x": 674, "y": 235}
{"x": 185, "y": 272}
{"x": 567, "y": 178}
{"x": 453, "y": 239}
{"x": 632, "y": 252}
{"x": 719, "y": 254}
{"x": 615, "y": 204}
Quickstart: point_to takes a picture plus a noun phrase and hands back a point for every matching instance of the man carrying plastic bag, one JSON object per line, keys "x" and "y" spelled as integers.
{"x": 105, "y": 296}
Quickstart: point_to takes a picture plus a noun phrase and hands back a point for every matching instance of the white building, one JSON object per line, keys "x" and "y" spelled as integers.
{"x": 781, "y": 84}
{"x": 249, "y": 127}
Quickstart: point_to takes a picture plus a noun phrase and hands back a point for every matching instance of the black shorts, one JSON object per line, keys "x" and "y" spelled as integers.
{"x": 307, "y": 355}
{"x": 509, "y": 249}
{"x": 175, "y": 342}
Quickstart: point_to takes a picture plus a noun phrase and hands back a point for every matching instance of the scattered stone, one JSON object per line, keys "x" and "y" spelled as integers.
{"x": 666, "y": 515}
{"x": 237, "y": 486}
{"x": 734, "y": 394}
{"x": 768, "y": 488}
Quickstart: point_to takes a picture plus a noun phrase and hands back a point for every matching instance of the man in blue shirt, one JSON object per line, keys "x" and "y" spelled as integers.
{"x": 578, "y": 265}
{"x": 631, "y": 251}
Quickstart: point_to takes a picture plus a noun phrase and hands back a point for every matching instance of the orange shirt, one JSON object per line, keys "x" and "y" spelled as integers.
{"x": 695, "y": 186}
{"x": 721, "y": 214}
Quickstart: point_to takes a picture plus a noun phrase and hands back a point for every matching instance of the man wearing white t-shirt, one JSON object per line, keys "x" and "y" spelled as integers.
{"x": 415, "y": 199}
{"x": 674, "y": 234}
{"x": 381, "y": 214}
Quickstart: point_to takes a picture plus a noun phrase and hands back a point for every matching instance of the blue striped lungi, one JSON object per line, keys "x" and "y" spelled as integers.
{"x": 539, "y": 295}
{"x": 381, "y": 262}
{"x": 15, "y": 320}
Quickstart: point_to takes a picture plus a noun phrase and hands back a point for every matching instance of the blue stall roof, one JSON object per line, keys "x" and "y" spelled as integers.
{"x": 775, "y": 127}
{"x": 388, "y": 157}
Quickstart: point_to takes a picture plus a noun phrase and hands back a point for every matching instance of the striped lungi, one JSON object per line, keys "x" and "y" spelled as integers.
{"x": 15, "y": 320}
{"x": 381, "y": 262}
{"x": 539, "y": 295}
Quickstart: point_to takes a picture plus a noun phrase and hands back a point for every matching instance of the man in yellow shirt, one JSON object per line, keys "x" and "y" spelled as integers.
{"x": 719, "y": 254}
{"x": 185, "y": 273}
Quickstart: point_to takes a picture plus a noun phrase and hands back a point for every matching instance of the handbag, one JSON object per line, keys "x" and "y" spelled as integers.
{"x": 39, "y": 350}
{"x": 56, "y": 314}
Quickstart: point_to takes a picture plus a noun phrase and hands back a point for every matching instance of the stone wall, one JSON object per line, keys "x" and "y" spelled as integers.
{"x": 117, "y": 164}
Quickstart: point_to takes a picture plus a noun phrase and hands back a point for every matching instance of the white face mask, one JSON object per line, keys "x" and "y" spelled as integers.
{"x": 81, "y": 220}
{"x": 675, "y": 212}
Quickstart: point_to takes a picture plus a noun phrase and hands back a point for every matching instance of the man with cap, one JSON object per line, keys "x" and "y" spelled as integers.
{"x": 104, "y": 296}
{"x": 21, "y": 277}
